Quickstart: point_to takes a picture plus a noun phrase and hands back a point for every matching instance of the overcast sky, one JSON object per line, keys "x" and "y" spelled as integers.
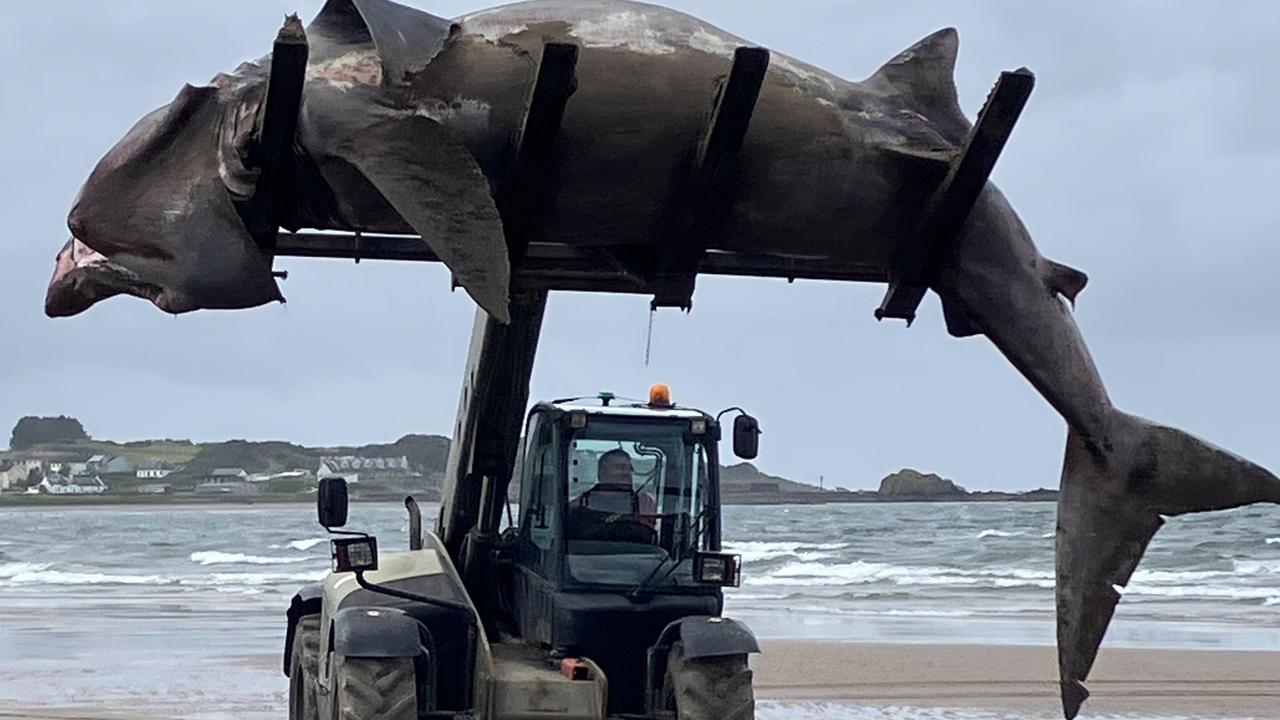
{"x": 1147, "y": 156}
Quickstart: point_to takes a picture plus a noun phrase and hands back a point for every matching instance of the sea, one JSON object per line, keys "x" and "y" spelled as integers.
{"x": 180, "y": 611}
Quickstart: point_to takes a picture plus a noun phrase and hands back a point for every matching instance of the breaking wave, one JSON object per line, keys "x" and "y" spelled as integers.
{"x": 40, "y": 574}
{"x": 1150, "y": 585}
{"x": 307, "y": 544}
{"x": 992, "y": 532}
{"x": 214, "y": 557}
{"x": 758, "y": 551}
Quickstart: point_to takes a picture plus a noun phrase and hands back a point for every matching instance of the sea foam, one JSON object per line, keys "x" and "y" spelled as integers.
{"x": 215, "y": 557}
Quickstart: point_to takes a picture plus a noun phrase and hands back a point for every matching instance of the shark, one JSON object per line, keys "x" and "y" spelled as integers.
{"x": 407, "y": 126}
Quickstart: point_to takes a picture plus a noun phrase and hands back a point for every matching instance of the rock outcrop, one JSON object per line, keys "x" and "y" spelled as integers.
{"x": 912, "y": 483}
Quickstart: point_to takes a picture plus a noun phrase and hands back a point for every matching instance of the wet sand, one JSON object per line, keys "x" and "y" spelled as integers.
{"x": 1015, "y": 678}
{"x": 834, "y": 679}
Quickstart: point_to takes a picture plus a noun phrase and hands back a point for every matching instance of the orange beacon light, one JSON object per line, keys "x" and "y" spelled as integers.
{"x": 660, "y": 395}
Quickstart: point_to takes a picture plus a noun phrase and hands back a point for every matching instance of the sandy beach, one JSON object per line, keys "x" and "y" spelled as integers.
{"x": 1125, "y": 681}
{"x": 800, "y": 679}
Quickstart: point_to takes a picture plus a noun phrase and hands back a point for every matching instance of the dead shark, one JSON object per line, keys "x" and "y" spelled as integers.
{"x": 408, "y": 126}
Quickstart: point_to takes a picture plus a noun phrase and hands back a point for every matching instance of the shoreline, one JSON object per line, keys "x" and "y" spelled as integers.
{"x": 20, "y": 501}
{"x": 810, "y": 679}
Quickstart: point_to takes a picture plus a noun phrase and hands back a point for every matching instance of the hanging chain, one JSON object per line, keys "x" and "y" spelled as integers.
{"x": 648, "y": 338}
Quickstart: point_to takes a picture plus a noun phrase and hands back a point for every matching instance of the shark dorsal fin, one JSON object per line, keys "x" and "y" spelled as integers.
{"x": 406, "y": 39}
{"x": 925, "y": 74}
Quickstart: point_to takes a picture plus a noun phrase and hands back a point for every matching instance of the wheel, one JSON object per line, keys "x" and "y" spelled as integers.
{"x": 375, "y": 689}
{"x": 713, "y": 688}
{"x": 304, "y": 662}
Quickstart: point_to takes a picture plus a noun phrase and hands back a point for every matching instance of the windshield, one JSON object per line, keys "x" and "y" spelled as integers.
{"x": 636, "y": 494}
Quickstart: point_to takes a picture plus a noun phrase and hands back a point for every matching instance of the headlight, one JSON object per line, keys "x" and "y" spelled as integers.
{"x": 355, "y": 554}
{"x": 718, "y": 569}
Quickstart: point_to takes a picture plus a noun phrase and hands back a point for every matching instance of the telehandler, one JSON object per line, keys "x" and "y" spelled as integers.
{"x": 600, "y": 598}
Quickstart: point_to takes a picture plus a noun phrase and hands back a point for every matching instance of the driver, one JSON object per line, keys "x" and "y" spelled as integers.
{"x": 613, "y": 492}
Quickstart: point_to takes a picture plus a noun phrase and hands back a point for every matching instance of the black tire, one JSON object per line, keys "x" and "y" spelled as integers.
{"x": 304, "y": 665}
{"x": 714, "y": 688}
{"x": 375, "y": 689}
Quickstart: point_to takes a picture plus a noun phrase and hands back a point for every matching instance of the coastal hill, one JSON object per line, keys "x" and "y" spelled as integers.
{"x": 52, "y": 453}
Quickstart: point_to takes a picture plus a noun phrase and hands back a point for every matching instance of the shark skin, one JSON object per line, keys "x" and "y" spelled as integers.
{"x": 409, "y": 124}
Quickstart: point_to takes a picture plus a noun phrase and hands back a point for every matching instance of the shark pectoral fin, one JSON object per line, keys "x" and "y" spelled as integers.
{"x": 434, "y": 183}
{"x": 1111, "y": 505}
{"x": 1063, "y": 280}
{"x": 959, "y": 324}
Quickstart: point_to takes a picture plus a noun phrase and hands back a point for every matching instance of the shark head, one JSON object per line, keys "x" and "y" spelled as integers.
{"x": 160, "y": 216}
{"x": 156, "y": 220}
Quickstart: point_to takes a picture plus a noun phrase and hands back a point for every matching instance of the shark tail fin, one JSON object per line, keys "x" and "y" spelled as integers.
{"x": 1115, "y": 495}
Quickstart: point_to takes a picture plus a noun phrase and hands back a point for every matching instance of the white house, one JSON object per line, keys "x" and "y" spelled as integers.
{"x": 58, "y": 484}
{"x": 155, "y": 469}
{"x": 286, "y": 475}
{"x": 351, "y": 467}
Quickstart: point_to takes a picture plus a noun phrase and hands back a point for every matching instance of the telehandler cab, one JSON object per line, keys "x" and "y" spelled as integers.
{"x": 601, "y": 599}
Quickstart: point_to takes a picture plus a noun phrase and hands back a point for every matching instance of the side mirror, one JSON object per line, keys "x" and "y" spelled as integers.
{"x": 746, "y": 437}
{"x": 331, "y": 503}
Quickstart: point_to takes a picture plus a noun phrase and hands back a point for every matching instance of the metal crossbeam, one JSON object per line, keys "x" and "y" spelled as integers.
{"x": 263, "y": 213}
{"x": 553, "y": 266}
{"x": 917, "y": 265}
{"x": 701, "y": 202}
{"x": 528, "y": 193}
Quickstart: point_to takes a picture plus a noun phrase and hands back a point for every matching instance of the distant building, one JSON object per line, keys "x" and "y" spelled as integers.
{"x": 756, "y": 488}
{"x": 352, "y": 467}
{"x": 107, "y": 464}
{"x": 227, "y": 475}
{"x": 227, "y": 486}
{"x": 155, "y": 469}
{"x": 14, "y": 473}
{"x": 300, "y": 474}
{"x": 59, "y": 484}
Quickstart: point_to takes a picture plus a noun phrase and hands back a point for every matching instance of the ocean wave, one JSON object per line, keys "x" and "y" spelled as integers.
{"x": 12, "y": 569}
{"x": 215, "y": 557}
{"x": 257, "y": 579}
{"x": 1273, "y": 541}
{"x": 858, "y": 572}
{"x": 1269, "y": 596}
{"x": 308, "y": 543}
{"x": 1178, "y": 577}
{"x": 60, "y": 577}
{"x": 992, "y": 532}
{"x": 1257, "y": 567}
{"x": 758, "y": 551}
